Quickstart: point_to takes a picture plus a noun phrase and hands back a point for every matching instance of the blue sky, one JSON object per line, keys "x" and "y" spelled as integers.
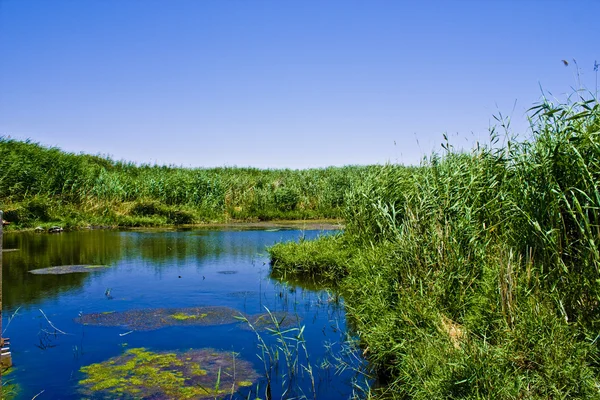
{"x": 282, "y": 84}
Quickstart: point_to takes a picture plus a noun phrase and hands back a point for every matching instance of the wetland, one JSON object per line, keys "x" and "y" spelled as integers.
{"x": 166, "y": 314}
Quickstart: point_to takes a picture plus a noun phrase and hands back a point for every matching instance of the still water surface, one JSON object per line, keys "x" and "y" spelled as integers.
{"x": 152, "y": 270}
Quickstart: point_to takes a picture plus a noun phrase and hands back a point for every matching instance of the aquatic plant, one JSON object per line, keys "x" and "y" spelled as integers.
{"x": 12, "y": 316}
{"x": 291, "y": 345}
{"x": 155, "y": 318}
{"x": 326, "y": 259}
{"x": 183, "y": 316}
{"x": 271, "y": 320}
{"x": 8, "y": 389}
{"x": 476, "y": 275}
{"x": 67, "y": 269}
{"x": 194, "y": 374}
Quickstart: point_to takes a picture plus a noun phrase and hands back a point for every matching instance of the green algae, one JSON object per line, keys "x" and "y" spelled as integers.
{"x": 8, "y": 389}
{"x": 150, "y": 319}
{"x": 67, "y": 269}
{"x": 195, "y": 374}
{"x": 184, "y": 317}
{"x": 196, "y": 370}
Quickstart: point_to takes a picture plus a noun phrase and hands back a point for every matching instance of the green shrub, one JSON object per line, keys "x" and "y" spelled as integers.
{"x": 38, "y": 209}
{"x": 147, "y": 208}
{"x": 180, "y": 217}
{"x": 286, "y": 199}
{"x": 14, "y": 215}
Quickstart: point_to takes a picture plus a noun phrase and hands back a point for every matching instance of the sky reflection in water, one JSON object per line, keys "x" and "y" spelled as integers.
{"x": 155, "y": 270}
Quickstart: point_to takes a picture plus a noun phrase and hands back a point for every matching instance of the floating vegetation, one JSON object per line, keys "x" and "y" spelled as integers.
{"x": 67, "y": 269}
{"x": 185, "y": 317}
{"x": 227, "y": 272}
{"x": 149, "y": 319}
{"x": 8, "y": 389}
{"x": 195, "y": 374}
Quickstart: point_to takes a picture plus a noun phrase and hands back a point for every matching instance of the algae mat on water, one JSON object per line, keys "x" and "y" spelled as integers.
{"x": 195, "y": 374}
{"x": 149, "y": 319}
{"x": 68, "y": 269}
{"x": 156, "y": 318}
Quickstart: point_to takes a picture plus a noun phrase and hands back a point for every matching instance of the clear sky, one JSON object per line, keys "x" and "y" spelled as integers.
{"x": 275, "y": 84}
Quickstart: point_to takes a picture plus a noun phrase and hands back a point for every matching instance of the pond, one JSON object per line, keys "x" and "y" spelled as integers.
{"x": 168, "y": 314}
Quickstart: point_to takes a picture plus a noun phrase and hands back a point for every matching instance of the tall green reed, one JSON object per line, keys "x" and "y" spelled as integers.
{"x": 476, "y": 274}
{"x": 83, "y": 189}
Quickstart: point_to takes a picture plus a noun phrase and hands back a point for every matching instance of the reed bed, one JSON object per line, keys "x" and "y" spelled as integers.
{"x": 45, "y": 186}
{"x": 476, "y": 275}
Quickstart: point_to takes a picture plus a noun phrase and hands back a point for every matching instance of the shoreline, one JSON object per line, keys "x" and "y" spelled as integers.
{"x": 317, "y": 224}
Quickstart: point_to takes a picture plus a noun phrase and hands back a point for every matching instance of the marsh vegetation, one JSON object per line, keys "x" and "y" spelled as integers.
{"x": 42, "y": 186}
{"x": 162, "y": 320}
{"x": 476, "y": 275}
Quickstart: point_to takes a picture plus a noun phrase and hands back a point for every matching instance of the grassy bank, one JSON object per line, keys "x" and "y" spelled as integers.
{"x": 478, "y": 274}
{"x": 46, "y": 186}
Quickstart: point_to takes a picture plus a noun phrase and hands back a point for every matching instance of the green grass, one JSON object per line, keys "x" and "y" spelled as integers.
{"x": 42, "y": 186}
{"x": 325, "y": 258}
{"x": 476, "y": 275}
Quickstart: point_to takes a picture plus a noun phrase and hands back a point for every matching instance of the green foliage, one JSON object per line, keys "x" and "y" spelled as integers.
{"x": 147, "y": 208}
{"x": 476, "y": 275}
{"x": 180, "y": 217}
{"x": 286, "y": 199}
{"x": 287, "y": 359}
{"x": 326, "y": 258}
{"x": 40, "y": 185}
{"x": 8, "y": 389}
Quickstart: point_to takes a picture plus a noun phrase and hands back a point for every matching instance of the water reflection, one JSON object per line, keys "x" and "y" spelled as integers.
{"x": 149, "y": 271}
{"x": 160, "y": 248}
{"x": 20, "y": 288}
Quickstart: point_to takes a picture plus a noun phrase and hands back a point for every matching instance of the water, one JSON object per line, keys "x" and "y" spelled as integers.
{"x": 156, "y": 270}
